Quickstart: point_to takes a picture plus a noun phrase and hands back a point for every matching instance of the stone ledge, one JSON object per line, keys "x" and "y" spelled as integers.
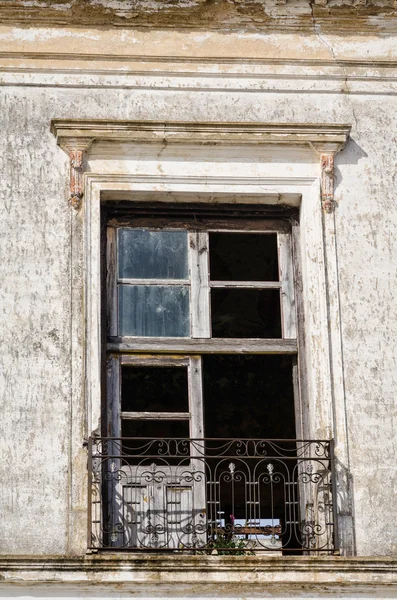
{"x": 321, "y": 136}
{"x": 145, "y": 569}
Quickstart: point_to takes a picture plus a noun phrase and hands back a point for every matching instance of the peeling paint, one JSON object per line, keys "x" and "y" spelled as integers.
{"x": 346, "y": 15}
{"x": 192, "y": 61}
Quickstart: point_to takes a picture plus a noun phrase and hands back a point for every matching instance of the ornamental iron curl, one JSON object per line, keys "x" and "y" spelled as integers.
{"x": 222, "y": 496}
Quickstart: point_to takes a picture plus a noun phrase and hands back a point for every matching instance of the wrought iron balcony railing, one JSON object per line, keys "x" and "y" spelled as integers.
{"x": 211, "y": 496}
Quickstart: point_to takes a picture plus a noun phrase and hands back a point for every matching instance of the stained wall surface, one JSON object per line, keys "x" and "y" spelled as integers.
{"x": 49, "y": 73}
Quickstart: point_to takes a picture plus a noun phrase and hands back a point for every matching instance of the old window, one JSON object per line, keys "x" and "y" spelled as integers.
{"x": 199, "y": 446}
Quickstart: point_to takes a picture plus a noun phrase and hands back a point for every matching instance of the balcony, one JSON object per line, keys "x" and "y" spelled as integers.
{"x": 211, "y": 496}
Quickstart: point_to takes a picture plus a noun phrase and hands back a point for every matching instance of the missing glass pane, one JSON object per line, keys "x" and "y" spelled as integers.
{"x": 154, "y": 389}
{"x": 245, "y": 398}
{"x": 248, "y": 396}
{"x": 154, "y": 429}
{"x": 243, "y": 257}
{"x": 242, "y": 313}
{"x": 154, "y": 310}
{"x": 147, "y": 254}
{"x": 149, "y": 451}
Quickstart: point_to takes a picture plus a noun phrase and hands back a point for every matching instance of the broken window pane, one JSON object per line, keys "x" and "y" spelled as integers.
{"x": 243, "y": 257}
{"x": 245, "y": 313}
{"x": 154, "y": 310}
{"x": 248, "y": 396}
{"x": 152, "y": 451}
{"x": 153, "y": 429}
{"x": 154, "y": 389}
{"x": 152, "y": 254}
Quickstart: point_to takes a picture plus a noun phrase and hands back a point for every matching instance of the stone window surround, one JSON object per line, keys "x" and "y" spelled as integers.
{"x": 322, "y": 343}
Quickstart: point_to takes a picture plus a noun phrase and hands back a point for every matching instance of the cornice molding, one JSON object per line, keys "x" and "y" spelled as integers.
{"x": 197, "y": 60}
{"x": 322, "y": 137}
{"x": 76, "y": 136}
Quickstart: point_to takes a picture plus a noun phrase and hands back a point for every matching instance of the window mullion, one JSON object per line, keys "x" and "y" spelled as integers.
{"x": 155, "y": 416}
{"x": 196, "y": 398}
{"x": 204, "y": 345}
{"x": 114, "y": 397}
{"x": 200, "y": 311}
{"x": 111, "y": 281}
{"x": 288, "y": 315}
{"x": 197, "y": 448}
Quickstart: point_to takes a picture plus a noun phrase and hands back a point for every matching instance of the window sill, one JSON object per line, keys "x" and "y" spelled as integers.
{"x": 237, "y": 574}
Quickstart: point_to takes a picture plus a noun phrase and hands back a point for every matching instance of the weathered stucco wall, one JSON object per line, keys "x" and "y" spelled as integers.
{"x": 254, "y": 15}
{"x": 262, "y": 77}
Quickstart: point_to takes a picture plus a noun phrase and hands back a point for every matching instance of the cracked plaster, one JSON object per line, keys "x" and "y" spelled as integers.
{"x": 333, "y": 15}
{"x": 42, "y": 390}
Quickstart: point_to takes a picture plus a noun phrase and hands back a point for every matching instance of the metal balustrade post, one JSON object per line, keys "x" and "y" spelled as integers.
{"x": 334, "y": 495}
{"x": 89, "y": 494}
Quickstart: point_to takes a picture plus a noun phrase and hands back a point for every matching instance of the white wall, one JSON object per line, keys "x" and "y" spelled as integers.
{"x": 42, "y": 409}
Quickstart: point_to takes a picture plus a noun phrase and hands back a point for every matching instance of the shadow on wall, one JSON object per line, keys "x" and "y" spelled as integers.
{"x": 351, "y": 155}
{"x": 345, "y": 504}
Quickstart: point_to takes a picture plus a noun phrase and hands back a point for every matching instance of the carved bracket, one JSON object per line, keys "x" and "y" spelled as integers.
{"x": 76, "y": 136}
{"x": 327, "y": 182}
{"x": 76, "y": 149}
{"x": 327, "y": 152}
{"x": 76, "y": 178}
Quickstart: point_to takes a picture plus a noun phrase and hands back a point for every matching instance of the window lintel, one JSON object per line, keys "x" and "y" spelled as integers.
{"x": 76, "y": 136}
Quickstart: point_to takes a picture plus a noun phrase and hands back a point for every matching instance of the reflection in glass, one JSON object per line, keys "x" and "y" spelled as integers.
{"x": 154, "y": 310}
{"x": 152, "y": 254}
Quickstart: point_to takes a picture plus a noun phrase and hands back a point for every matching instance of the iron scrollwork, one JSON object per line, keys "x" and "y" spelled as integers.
{"x": 211, "y": 495}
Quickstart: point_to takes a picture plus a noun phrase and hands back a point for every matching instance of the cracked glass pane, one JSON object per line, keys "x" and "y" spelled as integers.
{"x": 154, "y": 310}
{"x": 152, "y": 254}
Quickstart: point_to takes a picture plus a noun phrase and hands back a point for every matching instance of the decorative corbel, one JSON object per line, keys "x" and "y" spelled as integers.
{"x": 76, "y": 136}
{"x": 76, "y": 149}
{"x": 326, "y": 152}
{"x": 76, "y": 178}
{"x": 327, "y": 182}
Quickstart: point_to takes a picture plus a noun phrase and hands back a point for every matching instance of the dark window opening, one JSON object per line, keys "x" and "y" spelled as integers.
{"x": 245, "y": 398}
{"x": 243, "y": 257}
{"x": 154, "y": 389}
{"x": 248, "y": 396}
{"x": 196, "y": 275}
{"x": 153, "y": 429}
{"x": 242, "y": 313}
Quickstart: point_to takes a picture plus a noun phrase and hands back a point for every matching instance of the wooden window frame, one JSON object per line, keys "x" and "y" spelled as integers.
{"x": 115, "y": 414}
{"x": 150, "y": 350}
{"x": 200, "y": 340}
